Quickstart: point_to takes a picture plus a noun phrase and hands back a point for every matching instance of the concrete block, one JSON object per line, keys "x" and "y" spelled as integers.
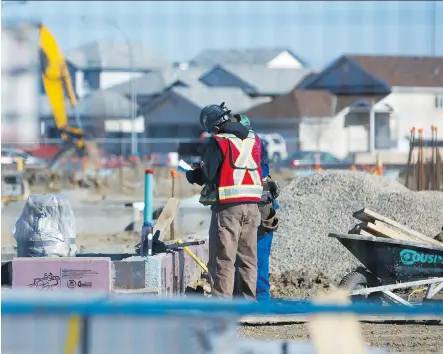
{"x": 172, "y": 272}
{"x": 129, "y": 273}
{"x": 191, "y": 270}
{"x": 48, "y": 273}
{"x": 167, "y": 273}
{"x": 159, "y": 274}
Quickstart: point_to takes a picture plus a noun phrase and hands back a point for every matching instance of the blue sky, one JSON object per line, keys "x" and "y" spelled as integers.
{"x": 317, "y": 31}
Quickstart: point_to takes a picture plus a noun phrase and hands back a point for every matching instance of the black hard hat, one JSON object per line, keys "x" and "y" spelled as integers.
{"x": 214, "y": 115}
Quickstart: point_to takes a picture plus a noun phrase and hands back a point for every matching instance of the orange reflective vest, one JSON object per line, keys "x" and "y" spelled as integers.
{"x": 240, "y": 175}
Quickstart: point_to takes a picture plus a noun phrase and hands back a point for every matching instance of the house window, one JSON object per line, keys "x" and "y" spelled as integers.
{"x": 438, "y": 101}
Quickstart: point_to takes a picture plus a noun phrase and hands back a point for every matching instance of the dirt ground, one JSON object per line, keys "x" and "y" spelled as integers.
{"x": 397, "y": 337}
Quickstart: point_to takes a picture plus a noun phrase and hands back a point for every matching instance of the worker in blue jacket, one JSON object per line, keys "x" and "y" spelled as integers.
{"x": 269, "y": 221}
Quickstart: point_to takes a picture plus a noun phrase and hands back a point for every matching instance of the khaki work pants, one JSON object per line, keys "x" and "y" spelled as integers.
{"x": 233, "y": 237}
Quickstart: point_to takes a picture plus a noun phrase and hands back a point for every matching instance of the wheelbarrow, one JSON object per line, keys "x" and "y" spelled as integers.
{"x": 390, "y": 265}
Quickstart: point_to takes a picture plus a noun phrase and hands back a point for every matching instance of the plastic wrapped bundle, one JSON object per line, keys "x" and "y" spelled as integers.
{"x": 46, "y": 227}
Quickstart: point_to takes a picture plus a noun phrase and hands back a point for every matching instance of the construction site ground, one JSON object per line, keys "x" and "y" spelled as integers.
{"x": 92, "y": 209}
{"x": 401, "y": 337}
{"x": 398, "y": 337}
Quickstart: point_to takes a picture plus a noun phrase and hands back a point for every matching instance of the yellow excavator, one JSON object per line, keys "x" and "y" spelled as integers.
{"x": 57, "y": 82}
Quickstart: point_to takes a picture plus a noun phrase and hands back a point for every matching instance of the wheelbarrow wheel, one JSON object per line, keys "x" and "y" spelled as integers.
{"x": 357, "y": 280}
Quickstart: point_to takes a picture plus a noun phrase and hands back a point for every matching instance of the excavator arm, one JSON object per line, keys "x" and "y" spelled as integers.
{"x": 56, "y": 82}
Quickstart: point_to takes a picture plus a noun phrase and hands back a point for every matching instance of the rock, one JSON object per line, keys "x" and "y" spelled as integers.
{"x": 312, "y": 207}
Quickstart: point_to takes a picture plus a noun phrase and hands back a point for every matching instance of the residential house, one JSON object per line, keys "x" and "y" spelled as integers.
{"x": 100, "y": 65}
{"x": 174, "y": 114}
{"x": 299, "y": 116}
{"x": 396, "y": 93}
{"x": 268, "y": 57}
{"x": 255, "y": 80}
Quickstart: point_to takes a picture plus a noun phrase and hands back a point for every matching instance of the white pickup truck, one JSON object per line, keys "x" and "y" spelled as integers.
{"x": 276, "y": 146}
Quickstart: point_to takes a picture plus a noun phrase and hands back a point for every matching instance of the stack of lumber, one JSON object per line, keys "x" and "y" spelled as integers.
{"x": 374, "y": 224}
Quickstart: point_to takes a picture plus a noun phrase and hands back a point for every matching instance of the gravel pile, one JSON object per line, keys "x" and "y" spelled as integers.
{"x": 311, "y": 207}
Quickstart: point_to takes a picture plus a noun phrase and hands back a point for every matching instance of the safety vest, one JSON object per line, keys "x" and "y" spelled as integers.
{"x": 240, "y": 175}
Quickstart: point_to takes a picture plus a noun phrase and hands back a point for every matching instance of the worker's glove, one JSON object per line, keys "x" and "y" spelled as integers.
{"x": 195, "y": 176}
{"x": 271, "y": 190}
{"x": 274, "y": 189}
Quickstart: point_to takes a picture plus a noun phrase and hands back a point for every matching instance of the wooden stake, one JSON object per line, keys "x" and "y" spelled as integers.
{"x": 336, "y": 333}
{"x": 411, "y": 148}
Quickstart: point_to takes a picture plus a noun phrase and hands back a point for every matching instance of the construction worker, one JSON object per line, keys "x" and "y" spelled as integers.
{"x": 231, "y": 174}
{"x": 269, "y": 221}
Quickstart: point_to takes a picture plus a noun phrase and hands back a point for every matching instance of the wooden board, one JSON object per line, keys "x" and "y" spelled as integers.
{"x": 165, "y": 219}
{"x": 336, "y": 333}
{"x": 384, "y": 231}
{"x": 405, "y": 236}
{"x": 368, "y": 215}
{"x": 365, "y": 233}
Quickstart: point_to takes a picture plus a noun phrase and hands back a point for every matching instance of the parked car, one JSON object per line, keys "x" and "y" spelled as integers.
{"x": 309, "y": 158}
{"x": 10, "y": 155}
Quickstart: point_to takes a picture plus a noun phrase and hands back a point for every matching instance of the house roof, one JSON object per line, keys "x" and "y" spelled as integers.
{"x": 100, "y": 104}
{"x": 190, "y": 75}
{"x": 270, "y": 81}
{"x": 403, "y": 70}
{"x": 201, "y": 95}
{"x": 297, "y": 104}
{"x": 307, "y": 79}
{"x": 116, "y": 55}
{"x": 158, "y": 80}
{"x": 147, "y": 84}
{"x": 247, "y": 56}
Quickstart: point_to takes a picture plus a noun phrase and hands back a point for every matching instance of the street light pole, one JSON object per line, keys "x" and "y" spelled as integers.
{"x": 134, "y": 143}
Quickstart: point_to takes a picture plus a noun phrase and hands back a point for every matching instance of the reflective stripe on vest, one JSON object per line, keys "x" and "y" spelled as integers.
{"x": 241, "y": 164}
{"x": 244, "y": 161}
{"x": 239, "y": 192}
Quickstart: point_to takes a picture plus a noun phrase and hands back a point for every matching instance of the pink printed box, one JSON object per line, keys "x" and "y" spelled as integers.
{"x": 48, "y": 273}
